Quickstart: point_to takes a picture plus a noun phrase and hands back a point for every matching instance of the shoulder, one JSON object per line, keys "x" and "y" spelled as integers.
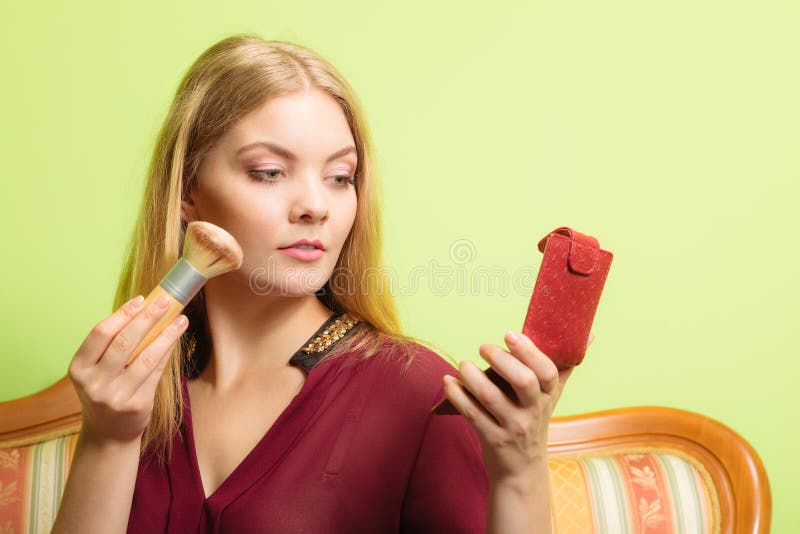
{"x": 412, "y": 357}
{"x": 408, "y": 370}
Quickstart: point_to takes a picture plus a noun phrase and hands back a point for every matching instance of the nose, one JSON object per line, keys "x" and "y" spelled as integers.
{"x": 309, "y": 202}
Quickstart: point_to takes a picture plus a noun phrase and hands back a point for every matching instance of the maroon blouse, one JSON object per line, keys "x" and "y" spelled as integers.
{"x": 355, "y": 451}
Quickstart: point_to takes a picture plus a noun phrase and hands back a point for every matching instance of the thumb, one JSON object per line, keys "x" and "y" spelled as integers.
{"x": 564, "y": 375}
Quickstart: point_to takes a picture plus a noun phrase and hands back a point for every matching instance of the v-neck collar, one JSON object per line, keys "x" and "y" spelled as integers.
{"x": 262, "y": 459}
{"x": 281, "y": 435}
{"x": 275, "y": 438}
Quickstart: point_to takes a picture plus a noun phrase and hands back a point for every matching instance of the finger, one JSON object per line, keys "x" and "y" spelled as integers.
{"x": 564, "y": 375}
{"x": 144, "y": 397}
{"x": 591, "y": 338}
{"x": 543, "y": 367}
{"x": 470, "y": 408}
{"x": 147, "y": 390}
{"x": 486, "y": 393}
{"x": 153, "y": 359}
{"x": 129, "y": 337}
{"x": 101, "y": 336}
{"x": 521, "y": 378}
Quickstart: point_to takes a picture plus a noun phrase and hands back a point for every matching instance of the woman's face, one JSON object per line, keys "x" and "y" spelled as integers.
{"x": 282, "y": 174}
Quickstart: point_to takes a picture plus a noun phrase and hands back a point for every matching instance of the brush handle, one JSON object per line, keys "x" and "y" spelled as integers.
{"x": 180, "y": 284}
{"x": 174, "y": 309}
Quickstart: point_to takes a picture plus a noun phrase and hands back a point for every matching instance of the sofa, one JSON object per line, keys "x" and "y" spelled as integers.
{"x": 641, "y": 469}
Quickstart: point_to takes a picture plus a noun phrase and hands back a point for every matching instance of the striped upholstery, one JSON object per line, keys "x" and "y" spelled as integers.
{"x": 31, "y": 484}
{"x": 652, "y": 491}
{"x": 648, "y": 491}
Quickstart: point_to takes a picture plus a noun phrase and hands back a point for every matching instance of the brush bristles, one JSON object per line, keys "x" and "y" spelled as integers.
{"x": 210, "y": 249}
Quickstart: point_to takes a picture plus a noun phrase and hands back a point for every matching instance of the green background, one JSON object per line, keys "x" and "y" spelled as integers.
{"x": 667, "y": 130}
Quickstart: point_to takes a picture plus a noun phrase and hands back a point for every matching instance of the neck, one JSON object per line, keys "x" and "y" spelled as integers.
{"x": 255, "y": 334}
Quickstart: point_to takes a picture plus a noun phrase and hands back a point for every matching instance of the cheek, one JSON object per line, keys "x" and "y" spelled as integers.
{"x": 214, "y": 203}
{"x": 240, "y": 207}
{"x": 257, "y": 226}
{"x": 253, "y": 224}
{"x": 347, "y": 217}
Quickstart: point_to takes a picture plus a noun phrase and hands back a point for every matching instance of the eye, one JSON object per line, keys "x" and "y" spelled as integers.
{"x": 265, "y": 175}
{"x": 269, "y": 176}
{"x": 344, "y": 180}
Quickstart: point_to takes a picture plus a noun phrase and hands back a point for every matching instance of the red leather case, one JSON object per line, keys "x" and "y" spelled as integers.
{"x": 563, "y": 304}
{"x": 566, "y": 294}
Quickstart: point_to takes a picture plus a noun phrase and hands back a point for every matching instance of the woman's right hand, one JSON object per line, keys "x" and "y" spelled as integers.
{"x": 118, "y": 400}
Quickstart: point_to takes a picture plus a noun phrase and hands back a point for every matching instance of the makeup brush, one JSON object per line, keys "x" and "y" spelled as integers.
{"x": 208, "y": 251}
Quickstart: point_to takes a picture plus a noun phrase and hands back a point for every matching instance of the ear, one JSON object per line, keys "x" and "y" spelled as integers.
{"x": 188, "y": 207}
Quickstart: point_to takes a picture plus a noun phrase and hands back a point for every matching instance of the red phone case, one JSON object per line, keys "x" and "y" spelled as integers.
{"x": 563, "y": 304}
{"x": 565, "y": 297}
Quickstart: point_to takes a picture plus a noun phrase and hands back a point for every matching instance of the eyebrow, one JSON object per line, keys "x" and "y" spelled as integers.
{"x": 289, "y": 155}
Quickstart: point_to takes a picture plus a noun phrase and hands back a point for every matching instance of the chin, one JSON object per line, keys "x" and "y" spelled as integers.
{"x": 291, "y": 283}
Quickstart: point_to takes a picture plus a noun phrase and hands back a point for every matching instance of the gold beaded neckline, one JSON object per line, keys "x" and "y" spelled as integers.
{"x": 334, "y": 329}
{"x": 334, "y": 332}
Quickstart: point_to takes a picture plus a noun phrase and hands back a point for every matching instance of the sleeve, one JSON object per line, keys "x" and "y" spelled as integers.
{"x": 448, "y": 490}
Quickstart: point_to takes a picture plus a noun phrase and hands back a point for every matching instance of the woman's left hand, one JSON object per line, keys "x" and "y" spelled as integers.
{"x": 513, "y": 435}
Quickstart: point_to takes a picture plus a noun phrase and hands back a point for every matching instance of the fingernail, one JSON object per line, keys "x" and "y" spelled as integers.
{"x": 162, "y": 302}
{"x": 512, "y": 337}
{"x": 137, "y": 301}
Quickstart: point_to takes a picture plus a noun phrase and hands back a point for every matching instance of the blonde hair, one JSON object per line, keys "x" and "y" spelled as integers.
{"x": 227, "y": 81}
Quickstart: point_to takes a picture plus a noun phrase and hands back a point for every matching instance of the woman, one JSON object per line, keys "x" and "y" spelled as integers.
{"x": 291, "y": 402}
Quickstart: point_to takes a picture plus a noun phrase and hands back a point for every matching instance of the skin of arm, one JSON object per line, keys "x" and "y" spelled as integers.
{"x": 99, "y": 489}
{"x": 513, "y": 434}
{"x": 116, "y": 402}
{"x": 521, "y": 507}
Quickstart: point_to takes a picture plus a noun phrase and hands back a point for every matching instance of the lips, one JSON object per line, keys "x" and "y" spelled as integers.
{"x": 302, "y": 254}
{"x": 315, "y": 243}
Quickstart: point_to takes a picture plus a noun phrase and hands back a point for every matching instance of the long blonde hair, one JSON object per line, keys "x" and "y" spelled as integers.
{"x": 227, "y": 81}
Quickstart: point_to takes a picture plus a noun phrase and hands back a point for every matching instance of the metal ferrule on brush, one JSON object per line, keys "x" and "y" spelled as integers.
{"x": 183, "y": 281}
